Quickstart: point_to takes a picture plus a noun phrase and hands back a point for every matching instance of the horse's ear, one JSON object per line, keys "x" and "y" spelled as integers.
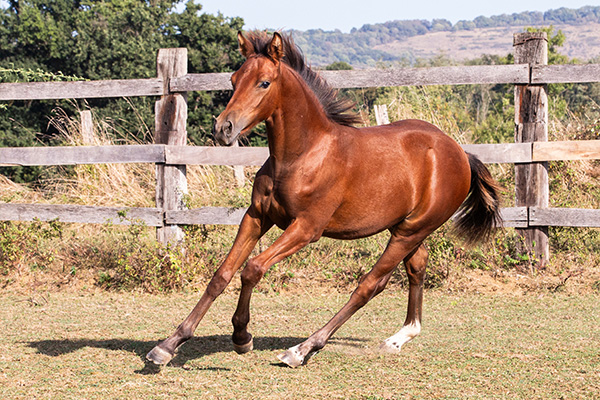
{"x": 276, "y": 47}
{"x": 246, "y": 47}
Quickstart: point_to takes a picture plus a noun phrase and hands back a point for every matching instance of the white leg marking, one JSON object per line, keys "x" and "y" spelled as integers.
{"x": 408, "y": 332}
{"x": 292, "y": 357}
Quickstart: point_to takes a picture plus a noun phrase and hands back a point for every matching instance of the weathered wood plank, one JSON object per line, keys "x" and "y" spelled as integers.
{"x": 566, "y": 150}
{"x": 501, "y": 152}
{"x": 170, "y": 129}
{"x": 86, "y": 130}
{"x": 531, "y": 125}
{"x": 511, "y": 216}
{"x": 476, "y": 74}
{"x": 82, "y": 155}
{"x": 381, "y": 114}
{"x": 568, "y": 73}
{"x": 206, "y": 216}
{"x": 479, "y": 74}
{"x": 81, "y": 214}
{"x": 81, "y": 89}
{"x": 201, "y": 82}
{"x": 572, "y": 217}
{"x": 204, "y": 155}
{"x": 514, "y": 217}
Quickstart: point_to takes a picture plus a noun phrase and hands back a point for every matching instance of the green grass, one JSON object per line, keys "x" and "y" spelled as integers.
{"x": 71, "y": 346}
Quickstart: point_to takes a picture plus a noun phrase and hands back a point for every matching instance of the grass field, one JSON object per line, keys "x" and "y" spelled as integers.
{"x": 75, "y": 346}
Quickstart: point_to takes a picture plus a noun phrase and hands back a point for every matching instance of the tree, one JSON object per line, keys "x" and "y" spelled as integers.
{"x": 338, "y": 66}
{"x": 115, "y": 39}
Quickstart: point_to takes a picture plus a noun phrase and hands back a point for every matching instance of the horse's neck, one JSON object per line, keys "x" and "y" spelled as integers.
{"x": 298, "y": 122}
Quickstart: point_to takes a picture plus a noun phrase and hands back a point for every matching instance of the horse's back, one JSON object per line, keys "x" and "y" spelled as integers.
{"x": 409, "y": 145}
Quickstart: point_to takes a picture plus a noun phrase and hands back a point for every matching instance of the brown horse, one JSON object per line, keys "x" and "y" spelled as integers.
{"x": 327, "y": 178}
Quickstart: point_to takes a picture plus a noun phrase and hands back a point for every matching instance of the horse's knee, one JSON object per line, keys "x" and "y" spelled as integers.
{"x": 217, "y": 284}
{"x": 252, "y": 273}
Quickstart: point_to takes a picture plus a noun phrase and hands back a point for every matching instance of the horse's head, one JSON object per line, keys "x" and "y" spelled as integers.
{"x": 255, "y": 86}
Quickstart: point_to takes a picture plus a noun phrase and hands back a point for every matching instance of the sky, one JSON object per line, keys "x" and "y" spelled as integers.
{"x": 347, "y": 14}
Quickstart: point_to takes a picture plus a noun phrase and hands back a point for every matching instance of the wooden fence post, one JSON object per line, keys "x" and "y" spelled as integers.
{"x": 88, "y": 137}
{"x": 531, "y": 125}
{"x": 238, "y": 170}
{"x": 170, "y": 128}
{"x": 381, "y": 114}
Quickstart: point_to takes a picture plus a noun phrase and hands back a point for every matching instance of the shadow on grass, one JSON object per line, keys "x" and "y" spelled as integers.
{"x": 194, "y": 348}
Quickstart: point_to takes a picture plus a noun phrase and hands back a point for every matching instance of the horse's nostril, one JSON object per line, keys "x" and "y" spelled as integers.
{"x": 228, "y": 128}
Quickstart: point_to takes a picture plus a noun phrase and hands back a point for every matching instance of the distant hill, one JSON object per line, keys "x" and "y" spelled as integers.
{"x": 409, "y": 40}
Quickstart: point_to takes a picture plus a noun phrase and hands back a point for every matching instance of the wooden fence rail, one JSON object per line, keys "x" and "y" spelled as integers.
{"x": 502, "y": 153}
{"x": 463, "y": 75}
{"x": 171, "y": 155}
{"x": 513, "y": 153}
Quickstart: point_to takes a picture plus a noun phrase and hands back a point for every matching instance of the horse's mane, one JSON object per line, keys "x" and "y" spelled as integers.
{"x": 337, "y": 109}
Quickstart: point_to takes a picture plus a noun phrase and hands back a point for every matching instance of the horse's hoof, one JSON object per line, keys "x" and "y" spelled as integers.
{"x": 159, "y": 356}
{"x": 244, "y": 348}
{"x": 292, "y": 357}
{"x": 390, "y": 347}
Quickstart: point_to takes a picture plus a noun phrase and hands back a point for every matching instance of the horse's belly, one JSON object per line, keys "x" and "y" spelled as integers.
{"x": 355, "y": 221}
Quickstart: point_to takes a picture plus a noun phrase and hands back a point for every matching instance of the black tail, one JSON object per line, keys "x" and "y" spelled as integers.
{"x": 480, "y": 213}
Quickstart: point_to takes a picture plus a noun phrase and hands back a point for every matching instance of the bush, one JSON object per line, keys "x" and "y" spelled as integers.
{"x": 26, "y": 245}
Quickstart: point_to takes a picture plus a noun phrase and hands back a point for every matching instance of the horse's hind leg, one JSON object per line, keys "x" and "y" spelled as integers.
{"x": 373, "y": 283}
{"x": 415, "y": 264}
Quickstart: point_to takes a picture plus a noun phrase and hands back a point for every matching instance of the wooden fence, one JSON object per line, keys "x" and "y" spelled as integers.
{"x": 530, "y": 154}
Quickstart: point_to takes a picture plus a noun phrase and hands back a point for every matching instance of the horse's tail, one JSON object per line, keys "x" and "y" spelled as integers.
{"x": 480, "y": 212}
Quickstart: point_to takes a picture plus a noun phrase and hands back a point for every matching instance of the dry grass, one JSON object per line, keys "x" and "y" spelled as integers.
{"x": 69, "y": 346}
{"x": 124, "y": 185}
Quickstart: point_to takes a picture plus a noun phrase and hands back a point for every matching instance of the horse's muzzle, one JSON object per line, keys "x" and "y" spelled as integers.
{"x": 225, "y": 132}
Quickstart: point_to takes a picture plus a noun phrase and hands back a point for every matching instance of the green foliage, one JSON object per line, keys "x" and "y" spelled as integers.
{"x": 129, "y": 258}
{"x": 116, "y": 39}
{"x": 338, "y": 66}
{"x": 8, "y": 75}
{"x": 25, "y": 245}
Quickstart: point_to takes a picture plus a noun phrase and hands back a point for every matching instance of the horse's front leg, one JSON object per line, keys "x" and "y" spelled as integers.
{"x": 251, "y": 229}
{"x": 295, "y": 237}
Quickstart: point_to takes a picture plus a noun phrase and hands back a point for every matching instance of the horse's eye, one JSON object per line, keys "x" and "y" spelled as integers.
{"x": 265, "y": 84}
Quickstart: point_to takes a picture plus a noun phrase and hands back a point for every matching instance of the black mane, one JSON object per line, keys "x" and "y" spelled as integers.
{"x": 337, "y": 109}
